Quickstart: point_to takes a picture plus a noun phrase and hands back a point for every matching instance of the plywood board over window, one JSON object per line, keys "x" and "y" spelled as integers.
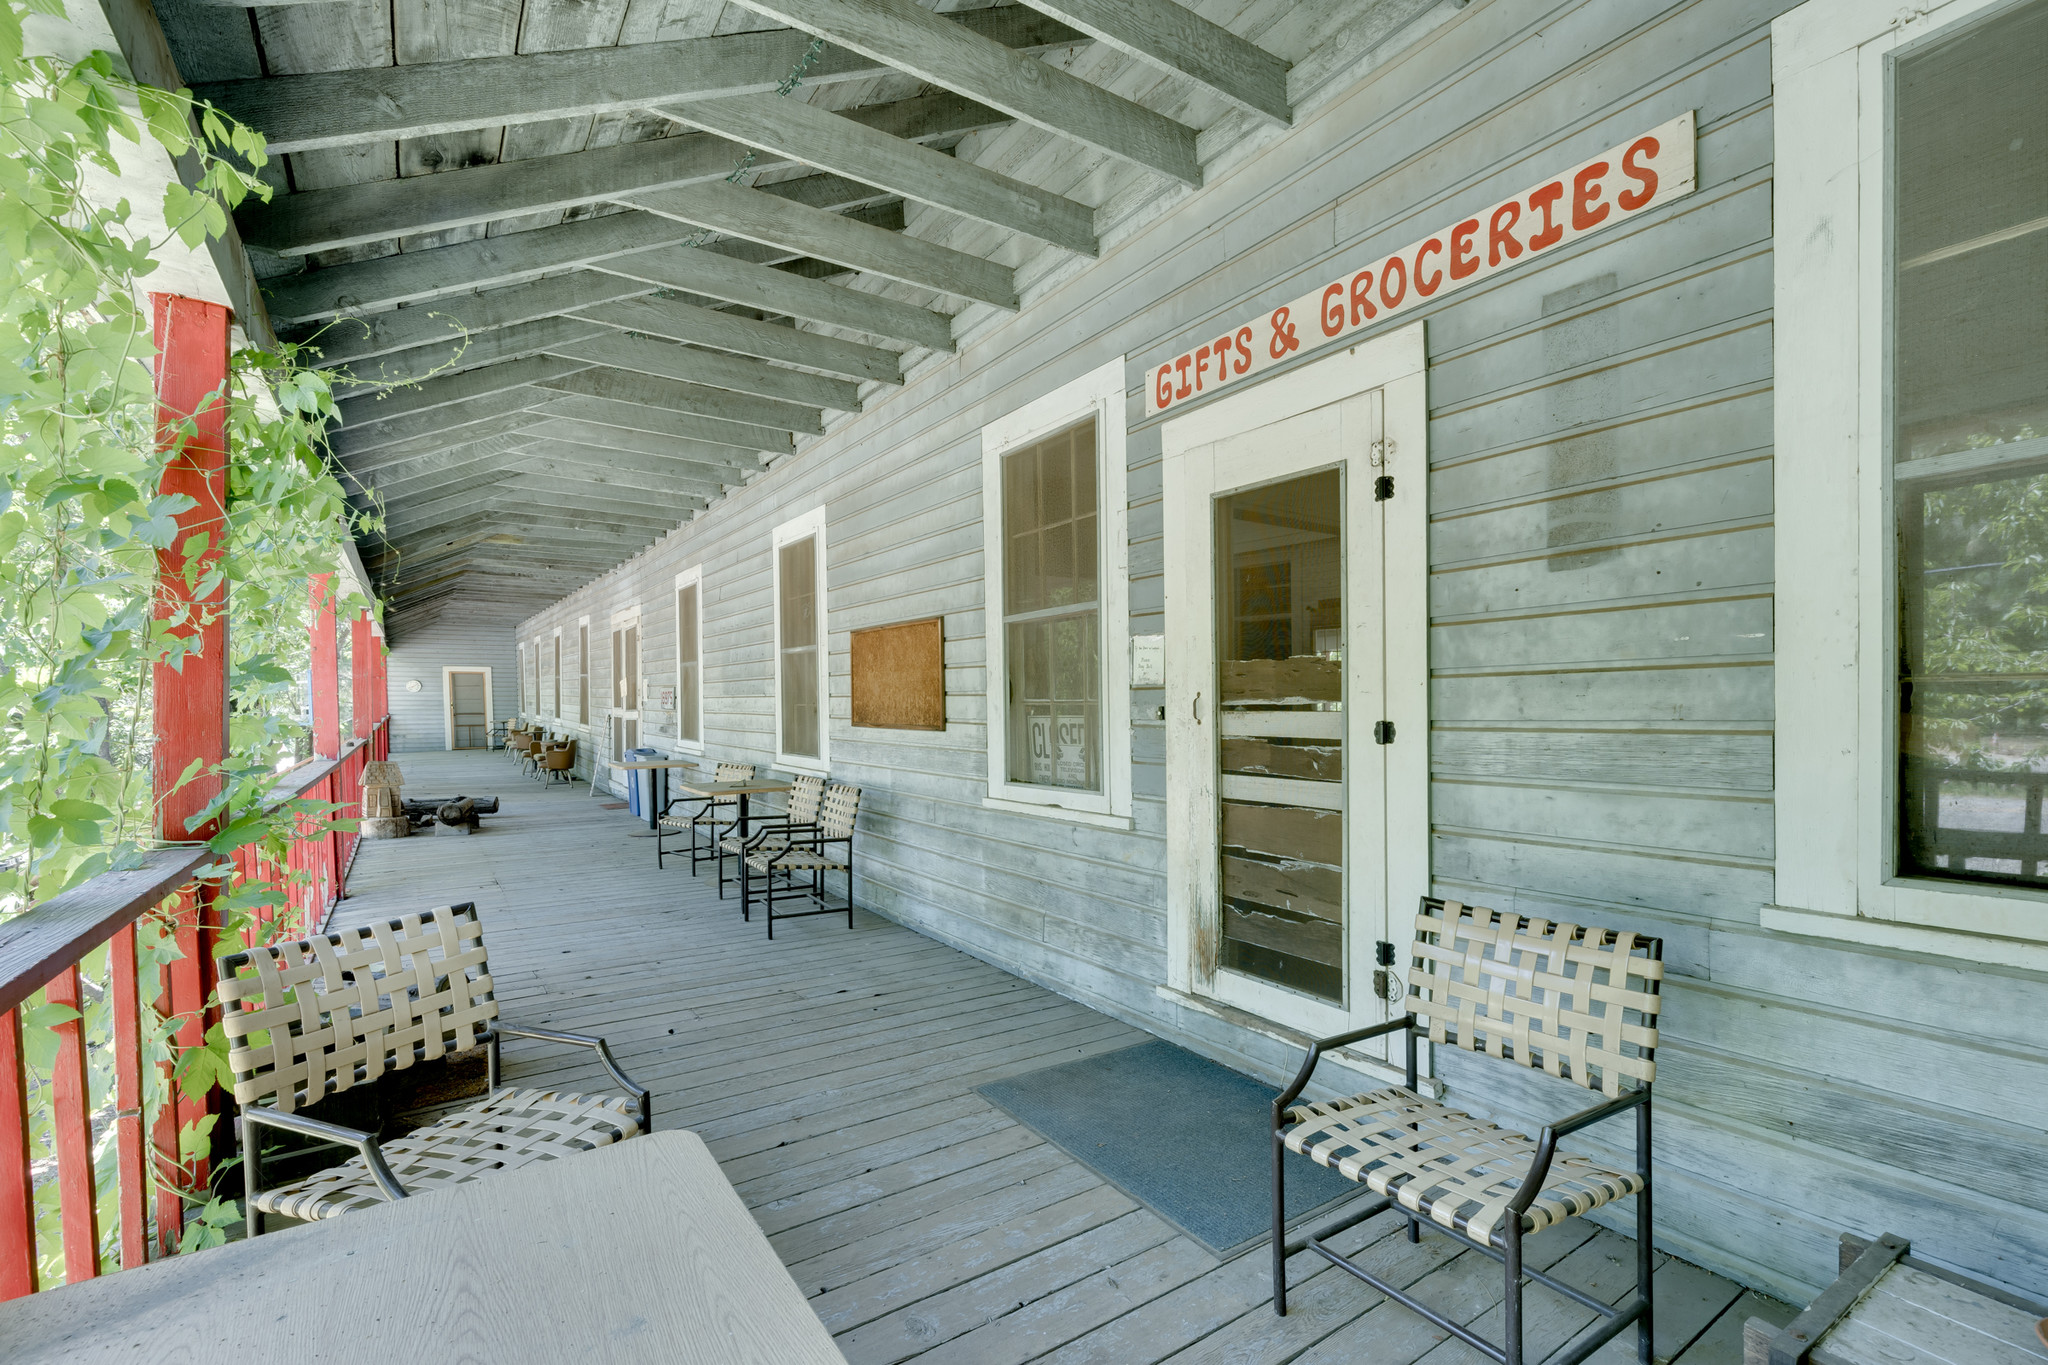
{"x": 899, "y": 676}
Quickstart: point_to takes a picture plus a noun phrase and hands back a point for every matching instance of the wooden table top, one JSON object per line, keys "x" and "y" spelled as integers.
{"x": 752, "y": 787}
{"x": 660, "y": 763}
{"x": 631, "y": 1253}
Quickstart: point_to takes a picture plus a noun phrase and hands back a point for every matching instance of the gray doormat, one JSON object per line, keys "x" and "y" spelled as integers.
{"x": 1189, "y": 1139}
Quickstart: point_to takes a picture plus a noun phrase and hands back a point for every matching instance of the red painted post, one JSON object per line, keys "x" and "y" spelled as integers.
{"x": 191, "y": 697}
{"x": 71, "y": 1129}
{"x": 131, "y": 1175}
{"x": 17, "y": 1190}
{"x": 362, "y": 673}
{"x": 326, "y": 682}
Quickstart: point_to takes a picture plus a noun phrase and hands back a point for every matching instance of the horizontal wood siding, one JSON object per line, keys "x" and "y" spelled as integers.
{"x": 448, "y": 640}
{"x": 1601, "y": 626}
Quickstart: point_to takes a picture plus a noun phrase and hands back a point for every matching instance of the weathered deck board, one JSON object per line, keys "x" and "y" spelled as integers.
{"x": 832, "y": 1073}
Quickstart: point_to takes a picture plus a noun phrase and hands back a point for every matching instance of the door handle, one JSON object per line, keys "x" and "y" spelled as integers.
{"x": 1195, "y": 708}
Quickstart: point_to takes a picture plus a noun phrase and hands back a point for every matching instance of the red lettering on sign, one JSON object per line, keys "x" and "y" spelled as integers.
{"x": 1361, "y": 298}
{"x": 1390, "y": 268}
{"x": 1284, "y": 339}
{"x": 1162, "y": 386}
{"x": 1201, "y": 366}
{"x": 1463, "y": 262}
{"x": 1426, "y": 285}
{"x": 1586, "y": 196}
{"x": 1631, "y": 200}
{"x": 1333, "y": 310}
{"x": 1244, "y": 350}
{"x": 1543, "y": 201}
{"x": 1498, "y": 236}
{"x": 1185, "y": 388}
{"x": 1220, "y": 348}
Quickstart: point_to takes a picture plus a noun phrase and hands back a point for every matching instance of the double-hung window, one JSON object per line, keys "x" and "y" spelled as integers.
{"x": 690, "y": 659}
{"x": 555, "y": 664}
{"x": 1058, "y": 621}
{"x": 583, "y": 670}
{"x": 798, "y": 546}
{"x": 1912, "y": 475}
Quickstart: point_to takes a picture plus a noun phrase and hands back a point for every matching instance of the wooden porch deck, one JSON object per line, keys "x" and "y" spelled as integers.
{"x": 832, "y": 1072}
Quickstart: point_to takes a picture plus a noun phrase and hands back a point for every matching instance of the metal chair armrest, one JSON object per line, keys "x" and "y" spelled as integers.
{"x": 1546, "y": 1143}
{"x": 761, "y": 831}
{"x": 365, "y": 1143}
{"x": 640, "y": 1093}
{"x": 1316, "y": 1050}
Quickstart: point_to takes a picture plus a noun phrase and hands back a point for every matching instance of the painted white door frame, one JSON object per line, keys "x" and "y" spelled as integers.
{"x": 448, "y": 672}
{"x": 1396, "y": 366}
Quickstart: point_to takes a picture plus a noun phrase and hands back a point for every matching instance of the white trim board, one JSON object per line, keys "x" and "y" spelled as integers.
{"x": 1835, "y": 605}
{"x": 1100, "y": 393}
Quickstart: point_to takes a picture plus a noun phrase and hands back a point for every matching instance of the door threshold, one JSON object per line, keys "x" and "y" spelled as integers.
{"x": 1372, "y": 1068}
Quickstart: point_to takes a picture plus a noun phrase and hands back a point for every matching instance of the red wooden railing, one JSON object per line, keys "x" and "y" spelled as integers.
{"x": 41, "y": 950}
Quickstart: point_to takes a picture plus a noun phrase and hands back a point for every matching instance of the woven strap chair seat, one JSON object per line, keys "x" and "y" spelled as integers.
{"x": 1456, "y": 1170}
{"x": 787, "y": 859}
{"x": 512, "y": 1128}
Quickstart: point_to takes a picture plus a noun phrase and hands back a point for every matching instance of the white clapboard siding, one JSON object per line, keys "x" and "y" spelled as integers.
{"x": 1601, "y": 601}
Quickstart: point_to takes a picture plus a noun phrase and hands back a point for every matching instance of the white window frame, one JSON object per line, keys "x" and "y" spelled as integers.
{"x": 1099, "y": 393}
{"x": 555, "y": 660}
{"x": 448, "y": 672}
{"x": 519, "y": 683}
{"x": 1836, "y": 600}
{"x": 693, "y": 577}
{"x": 583, "y": 674}
{"x": 811, "y": 523}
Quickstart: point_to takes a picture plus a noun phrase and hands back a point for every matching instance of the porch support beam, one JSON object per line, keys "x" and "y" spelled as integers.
{"x": 761, "y": 217}
{"x": 917, "y": 42}
{"x": 613, "y": 426}
{"x": 558, "y": 336}
{"x": 342, "y": 108}
{"x": 751, "y": 423}
{"x": 488, "y": 382}
{"x": 818, "y": 137}
{"x": 1172, "y": 36}
{"x": 742, "y": 336}
{"x": 602, "y": 345}
{"x": 353, "y": 338}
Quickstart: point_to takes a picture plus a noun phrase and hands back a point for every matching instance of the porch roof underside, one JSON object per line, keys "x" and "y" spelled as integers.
{"x": 584, "y": 265}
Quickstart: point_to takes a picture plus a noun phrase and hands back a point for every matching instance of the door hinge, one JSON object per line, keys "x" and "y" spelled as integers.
{"x": 1383, "y": 732}
{"x": 1383, "y": 488}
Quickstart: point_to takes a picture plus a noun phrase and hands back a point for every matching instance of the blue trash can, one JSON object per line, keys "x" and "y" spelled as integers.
{"x": 640, "y": 791}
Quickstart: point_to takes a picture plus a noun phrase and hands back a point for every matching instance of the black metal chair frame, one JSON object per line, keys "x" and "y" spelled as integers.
{"x": 697, "y": 855}
{"x": 815, "y": 842}
{"x": 759, "y": 834}
{"x": 1505, "y": 1243}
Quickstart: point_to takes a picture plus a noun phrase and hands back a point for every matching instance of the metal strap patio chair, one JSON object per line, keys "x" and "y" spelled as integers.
{"x": 708, "y": 814}
{"x": 808, "y": 851}
{"x": 806, "y": 792}
{"x": 315, "y": 1017}
{"x": 1576, "y": 1001}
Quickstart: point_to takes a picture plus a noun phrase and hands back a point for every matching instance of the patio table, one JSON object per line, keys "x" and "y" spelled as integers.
{"x": 660, "y": 768}
{"x": 634, "y": 1252}
{"x": 751, "y": 787}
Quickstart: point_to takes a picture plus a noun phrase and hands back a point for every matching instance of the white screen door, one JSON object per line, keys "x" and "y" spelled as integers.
{"x": 1293, "y": 572}
{"x": 625, "y": 708}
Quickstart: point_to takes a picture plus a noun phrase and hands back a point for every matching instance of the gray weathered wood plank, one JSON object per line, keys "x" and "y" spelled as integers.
{"x": 679, "y": 321}
{"x": 1173, "y": 36}
{"x": 601, "y": 345}
{"x": 752, "y": 418}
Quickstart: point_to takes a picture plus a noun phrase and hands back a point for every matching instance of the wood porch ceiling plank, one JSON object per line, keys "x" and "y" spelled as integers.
{"x": 611, "y": 425}
{"x": 359, "y": 458}
{"x": 333, "y": 109}
{"x": 486, "y": 382}
{"x": 545, "y": 496}
{"x": 915, "y": 41}
{"x": 718, "y": 276}
{"x": 354, "y": 338}
{"x": 577, "y": 495}
{"x": 678, "y": 321}
{"x": 326, "y": 219}
{"x": 760, "y": 217}
{"x": 737, "y": 419}
{"x": 601, "y": 345}
{"x": 558, "y": 336}
{"x": 517, "y": 517}
{"x": 710, "y": 480}
{"x": 818, "y": 137}
{"x": 402, "y": 480}
{"x": 1172, "y": 36}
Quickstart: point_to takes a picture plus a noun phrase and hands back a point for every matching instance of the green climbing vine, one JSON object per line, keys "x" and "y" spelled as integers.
{"x": 81, "y": 522}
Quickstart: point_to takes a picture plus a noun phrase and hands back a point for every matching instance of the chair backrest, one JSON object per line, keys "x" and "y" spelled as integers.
{"x": 806, "y": 791}
{"x": 560, "y": 757}
{"x": 837, "y": 810}
{"x": 308, "y": 1018}
{"x": 1575, "y": 1000}
{"x": 733, "y": 772}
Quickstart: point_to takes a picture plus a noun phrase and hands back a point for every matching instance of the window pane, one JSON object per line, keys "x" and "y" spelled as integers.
{"x": 686, "y": 663}
{"x": 1054, "y": 656}
{"x": 798, "y": 570}
{"x": 583, "y": 675}
{"x": 1970, "y": 439}
{"x": 1055, "y": 709}
{"x": 1049, "y": 522}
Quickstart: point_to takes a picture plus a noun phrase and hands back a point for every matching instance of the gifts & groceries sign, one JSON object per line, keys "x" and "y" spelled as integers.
{"x": 1612, "y": 187}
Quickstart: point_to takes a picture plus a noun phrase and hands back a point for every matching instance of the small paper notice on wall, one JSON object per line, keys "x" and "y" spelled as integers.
{"x": 1148, "y": 661}
{"x": 1039, "y": 730}
{"x": 667, "y": 699}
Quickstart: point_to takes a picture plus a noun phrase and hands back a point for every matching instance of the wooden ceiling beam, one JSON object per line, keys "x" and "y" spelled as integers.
{"x": 918, "y": 42}
{"x": 342, "y": 108}
{"x": 752, "y": 423}
{"x": 708, "y": 479}
{"x": 818, "y": 137}
{"x": 371, "y": 449}
{"x": 711, "y": 369}
{"x": 486, "y": 382}
{"x": 685, "y": 322}
{"x": 630, "y": 427}
{"x": 353, "y": 338}
{"x": 1171, "y": 36}
{"x": 759, "y": 217}
{"x": 558, "y": 336}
